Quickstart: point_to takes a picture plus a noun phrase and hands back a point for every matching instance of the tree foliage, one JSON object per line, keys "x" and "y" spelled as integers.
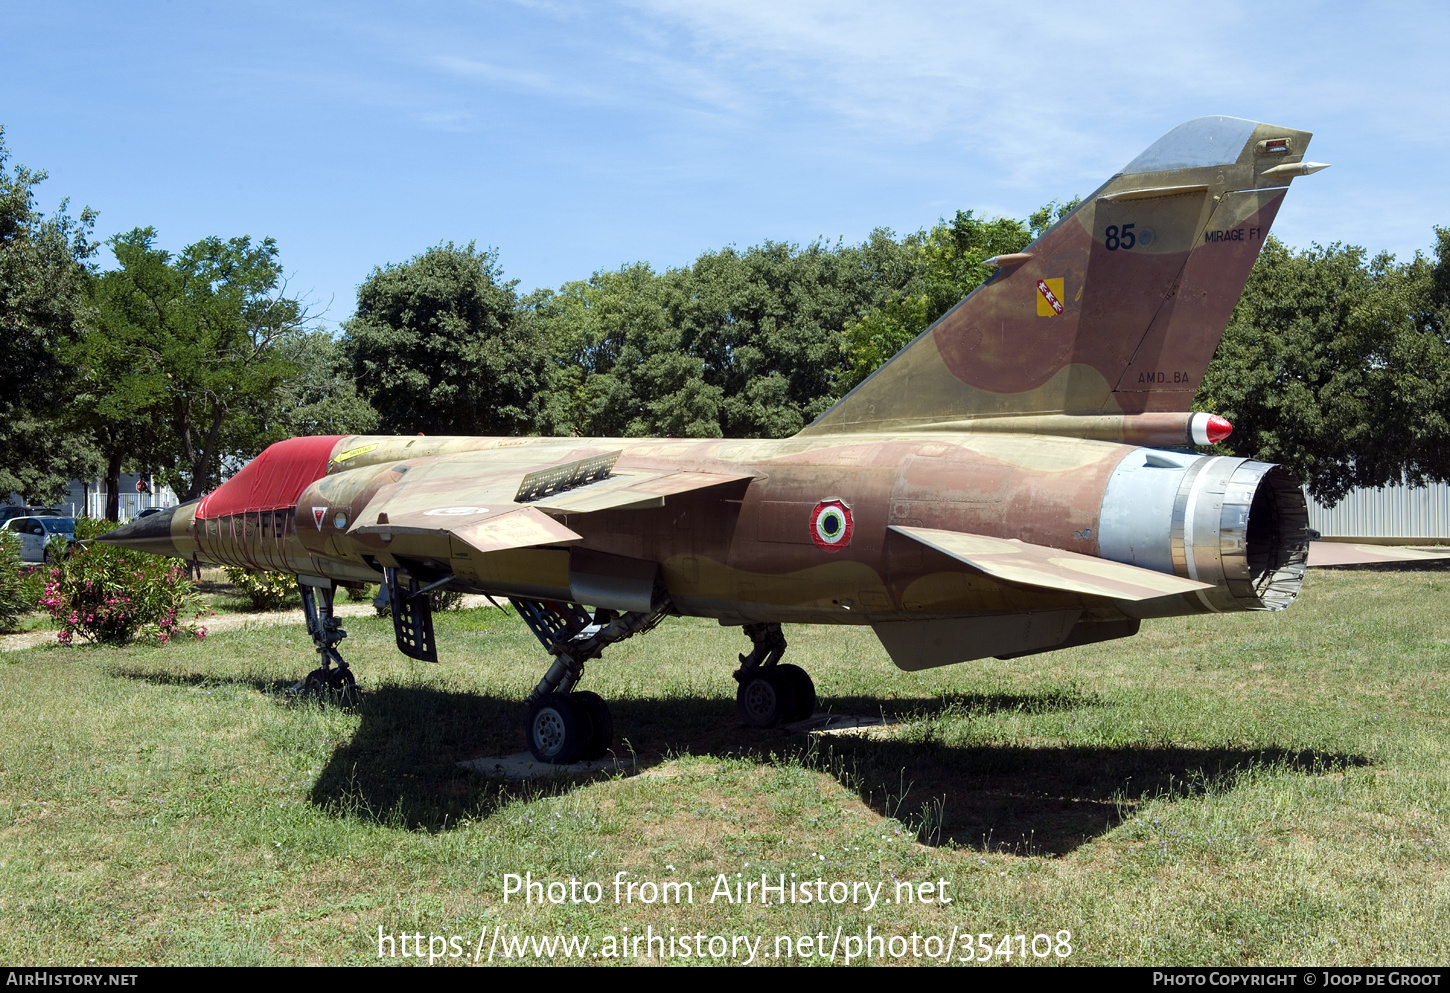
{"x": 189, "y": 361}
{"x": 44, "y": 270}
{"x": 321, "y": 397}
{"x": 949, "y": 265}
{"x": 1339, "y": 367}
{"x": 741, "y": 344}
{"x": 440, "y": 346}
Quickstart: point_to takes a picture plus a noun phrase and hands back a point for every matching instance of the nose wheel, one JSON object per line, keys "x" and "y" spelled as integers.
{"x": 332, "y": 679}
{"x": 335, "y": 683}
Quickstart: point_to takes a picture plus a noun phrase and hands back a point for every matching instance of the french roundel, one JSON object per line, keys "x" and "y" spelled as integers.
{"x": 831, "y": 525}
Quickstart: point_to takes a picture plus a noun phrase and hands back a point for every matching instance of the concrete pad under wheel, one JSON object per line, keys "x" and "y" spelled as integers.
{"x": 523, "y": 765}
{"x": 842, "y": 724}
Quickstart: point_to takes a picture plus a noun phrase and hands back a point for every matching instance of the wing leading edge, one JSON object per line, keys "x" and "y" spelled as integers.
{"x": 496, "y": 510}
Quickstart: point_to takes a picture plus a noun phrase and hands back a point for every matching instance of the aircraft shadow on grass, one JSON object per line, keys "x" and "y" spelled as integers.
{"x": 401, "y": 767}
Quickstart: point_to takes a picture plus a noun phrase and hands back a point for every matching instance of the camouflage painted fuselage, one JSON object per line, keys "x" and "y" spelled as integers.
{"x": 745, "y": 549}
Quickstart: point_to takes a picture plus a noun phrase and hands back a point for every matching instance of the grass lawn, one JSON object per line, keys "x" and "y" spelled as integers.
{"x": 1235, "y": 789}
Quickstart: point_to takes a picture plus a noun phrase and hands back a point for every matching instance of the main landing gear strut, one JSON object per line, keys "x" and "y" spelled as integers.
{"x": 771, "y": 694}
{"x": 332, "y": 678}
{"x": 565, "y": 725}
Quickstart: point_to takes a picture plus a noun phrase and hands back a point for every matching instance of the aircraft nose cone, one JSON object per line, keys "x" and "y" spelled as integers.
{"x": 146, "y": 534}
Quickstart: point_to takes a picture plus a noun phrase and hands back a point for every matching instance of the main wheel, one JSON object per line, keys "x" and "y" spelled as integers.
{"x": 557, "y": 730}
{"x": 601, "y": 719}
{"x": 766, "y": 698}
{"x": 805, "y": 692}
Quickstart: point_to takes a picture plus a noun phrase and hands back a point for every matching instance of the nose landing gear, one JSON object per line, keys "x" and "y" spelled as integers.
{"x": 333, "y": 678}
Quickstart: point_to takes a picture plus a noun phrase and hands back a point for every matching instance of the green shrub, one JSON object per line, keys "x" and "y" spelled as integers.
{"x": 115, "y": 595}
{"x": 446, "y": 600}
{"x": 266, "y": 590}
{"x": 438, "y": 599}
{"x": 16, "y": 599}
{"x": 361, "y": 594}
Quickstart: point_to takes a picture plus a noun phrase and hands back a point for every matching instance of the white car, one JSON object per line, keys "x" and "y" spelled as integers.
{"x": 39, "y": 534}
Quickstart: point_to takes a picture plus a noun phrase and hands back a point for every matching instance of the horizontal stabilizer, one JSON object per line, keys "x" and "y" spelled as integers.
{"x": 1322, "y": 553}
{"x": 1051, "y": 568}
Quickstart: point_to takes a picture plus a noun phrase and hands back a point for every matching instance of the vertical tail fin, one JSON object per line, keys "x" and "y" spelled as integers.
{"x": 1115, "y": 310}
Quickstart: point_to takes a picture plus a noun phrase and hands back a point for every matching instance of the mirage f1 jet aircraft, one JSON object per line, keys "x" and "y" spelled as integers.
{"x": 1018, "y": 479}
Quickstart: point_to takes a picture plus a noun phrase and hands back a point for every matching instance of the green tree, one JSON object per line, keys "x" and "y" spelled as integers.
{"x": 322, "y": 397}
{"x": 768, "y": 323}
{"x": 44, "y": 271}
{"x": 439, "y": 345}
{"x": 745, "y": 343}
{"x": 189, "y": 356}
{"x": 619, "y": 366}
{"x": 949, "y": 265}
{"x": 1339, "y": 367}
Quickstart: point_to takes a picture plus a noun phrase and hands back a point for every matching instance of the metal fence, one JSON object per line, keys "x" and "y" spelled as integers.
{"x": 1401, "y": 513}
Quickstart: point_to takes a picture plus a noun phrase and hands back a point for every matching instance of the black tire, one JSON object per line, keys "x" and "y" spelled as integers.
{"x": 602, "y": 720}
{"x": 332, "y": 684}
{"x": 344, "y": 688}
{"x": 805, "y": 692}
{"x": 557, "y": 731}
{"x": 766, "y": 698}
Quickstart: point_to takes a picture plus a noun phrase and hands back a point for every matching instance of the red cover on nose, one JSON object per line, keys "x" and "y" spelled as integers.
{"x": 273, "y": 480}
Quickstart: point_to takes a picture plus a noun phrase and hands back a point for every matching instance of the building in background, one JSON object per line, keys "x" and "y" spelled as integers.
{"x": 87, "y": 497}
{"x": 1394, "y": 515}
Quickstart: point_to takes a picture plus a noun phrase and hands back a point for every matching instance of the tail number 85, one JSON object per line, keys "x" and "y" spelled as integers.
{"x": 1115, "y": 237}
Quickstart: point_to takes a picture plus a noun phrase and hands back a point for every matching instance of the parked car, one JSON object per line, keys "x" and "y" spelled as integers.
{"x": 6, "y": 513}
{"x": 41, "y": 538}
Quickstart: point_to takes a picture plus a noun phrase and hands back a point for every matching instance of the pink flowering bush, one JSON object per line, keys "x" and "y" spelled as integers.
{"x": 113, "y": 595}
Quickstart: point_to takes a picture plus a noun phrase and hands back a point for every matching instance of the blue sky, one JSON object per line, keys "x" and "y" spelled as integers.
{"x": 580, "y": 137}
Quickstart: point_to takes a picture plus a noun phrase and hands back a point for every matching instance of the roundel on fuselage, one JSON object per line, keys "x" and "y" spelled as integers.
{"x": 831, "y": 525}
